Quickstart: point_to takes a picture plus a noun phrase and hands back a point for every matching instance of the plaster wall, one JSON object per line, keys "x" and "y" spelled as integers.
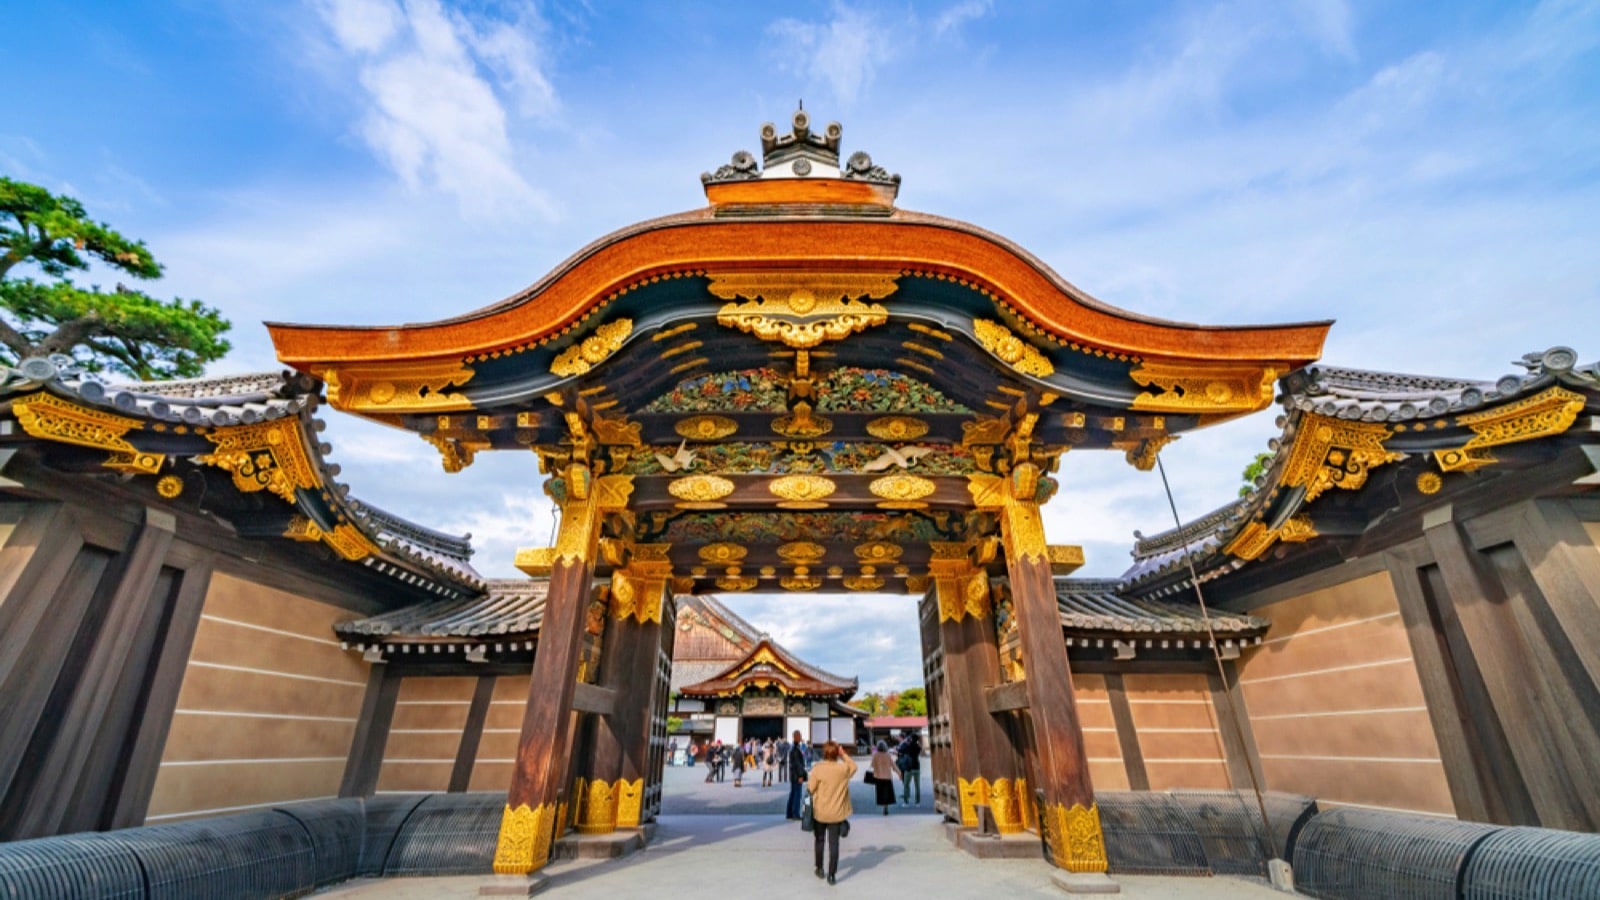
{"x": 1594, "y": 532}
{"x": 10, "y": 515}
{"x": 1176, "y": 723}
{"x": 429, "y": 714}
{"x": 502, "y": 727}
{"x": 267, "y": 708}
{"x": 1106, "y": 769}
{"x": 1336, "y": 705}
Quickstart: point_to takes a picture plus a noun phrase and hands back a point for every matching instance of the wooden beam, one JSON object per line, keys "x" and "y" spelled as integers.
{"x": 471, "y": 734}
{"x": 1007, "y": 697}
{"x": 1127, "y": 734}
{"x": 372, "y": 733}
{"x": 590, "y": 698}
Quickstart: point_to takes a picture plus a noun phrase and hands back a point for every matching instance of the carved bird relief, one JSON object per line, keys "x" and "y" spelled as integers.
{"x": 905, "y": 459}
{"x": 682, "y": 460}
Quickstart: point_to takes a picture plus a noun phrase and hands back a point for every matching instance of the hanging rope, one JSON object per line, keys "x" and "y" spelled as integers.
{"x": 1222, "y": 671}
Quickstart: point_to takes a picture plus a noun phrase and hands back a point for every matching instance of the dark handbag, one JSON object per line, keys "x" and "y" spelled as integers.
{"x": 844, "y": 828}
{"x": 869, "y": 778}
{"x": 808, "y": 821}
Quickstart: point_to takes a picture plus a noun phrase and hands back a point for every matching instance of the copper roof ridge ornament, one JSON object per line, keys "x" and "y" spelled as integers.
{"x": 798, "y": 154}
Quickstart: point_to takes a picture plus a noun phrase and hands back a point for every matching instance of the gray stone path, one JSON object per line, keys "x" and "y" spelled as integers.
{"x": 715, "y": 840}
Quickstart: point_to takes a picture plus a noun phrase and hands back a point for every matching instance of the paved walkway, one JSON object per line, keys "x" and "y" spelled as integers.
{"x": 720, "y": 841}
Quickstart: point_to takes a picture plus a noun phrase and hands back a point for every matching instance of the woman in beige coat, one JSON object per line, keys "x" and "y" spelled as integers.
{"x": 829, "y": 784}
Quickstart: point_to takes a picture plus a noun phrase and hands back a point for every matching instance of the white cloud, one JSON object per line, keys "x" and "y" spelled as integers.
{"x": 953, "y": 18}
{"x": 432, "y": 116}
{"x": 844, "y": 52}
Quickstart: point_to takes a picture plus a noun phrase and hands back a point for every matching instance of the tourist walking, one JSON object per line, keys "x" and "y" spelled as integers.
{"x": 769, "y": 763}
{"x": 711, "y": 761}
{"x": 883, "y": 776}
{"x": 829, "y": 784}
{"x": 739, "y": 758}
{"x": 796, "y": 777}
{"x": 909, "y": 760}
{"x": 783, "y": 759}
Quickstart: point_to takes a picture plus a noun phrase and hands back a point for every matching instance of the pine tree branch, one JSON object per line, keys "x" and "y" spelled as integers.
{"x": 15, "y": 341}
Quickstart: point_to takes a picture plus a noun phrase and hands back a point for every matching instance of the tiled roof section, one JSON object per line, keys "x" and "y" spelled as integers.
{"x": 709, "y": 631}
{"x": 512, "y": 606}
{"x": 1392, "y": 397}
{"x": 1098, "y": 605}
{"x": 222, "y": 401}
{"x": 1165, "y": 543}
{"x": 806, "y": 678}
{"x": 413, "y": 554}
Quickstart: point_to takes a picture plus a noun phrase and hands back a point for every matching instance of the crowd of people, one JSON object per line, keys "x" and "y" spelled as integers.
{"x": 824, "y": 773}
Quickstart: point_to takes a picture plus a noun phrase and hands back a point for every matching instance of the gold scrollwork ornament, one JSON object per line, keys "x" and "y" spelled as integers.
{"x": 705, "y": 428}
{"x": 592, "y": 350}
{"x": 902, "y": 491}
{"x": 897, "y": 428}
{"x": 801, "y": 491}
{"x": 700, "y": 491}
{"x": 1012, "y": 350}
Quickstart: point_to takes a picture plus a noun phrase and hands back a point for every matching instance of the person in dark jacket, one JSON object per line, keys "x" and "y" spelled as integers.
{"x": 909, "y": 760}
{"x": 797, "y": 776}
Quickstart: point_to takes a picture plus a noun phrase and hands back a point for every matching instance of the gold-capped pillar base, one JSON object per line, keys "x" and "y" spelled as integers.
{"x": 1073, "y": 833}
{"x": 630, "y": 800}
{"x": 598, "y": 814}
{"x": 999, "y": 794}
{"x": 525, "y": 836}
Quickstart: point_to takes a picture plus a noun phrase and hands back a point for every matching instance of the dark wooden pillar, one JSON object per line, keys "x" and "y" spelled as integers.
{"x": 1233, "y": 726}
{"x": 983, "y": 759}
{"x": 471, "y": 734}
{"x": 539, "y": 783}
{"x": 169, "y": 660}
{"x": 372, "y": 733}
{"x": 657, "y": 713}
{"x": 1068, "y": 816}
{"x": 1544, "y": 716}
{"x": 1127, "y": 734}
{"x": 946, "y": 798}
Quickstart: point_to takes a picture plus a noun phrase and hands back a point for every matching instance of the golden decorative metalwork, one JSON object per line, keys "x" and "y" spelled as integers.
{"x": 1074, "y": 837}
{"x": 731, "y": 583}
{"x": 1022, "y": 532}
{"x": 1297, "y": 529}
{"x": 1064, "y": 558}
{"x": 616, "y": 431}
{"x": 630, "y": 797}
{"x": 397, "y": 388}
{"x": 879, "y": 552}
{"x": 801, "y": 423}
{"x": 865, "y": 583}
{"x": 918, "y": 585}
{"x": 802, "y": 309}
{"x": 578, "y": 537}
{"x": 897, "y": 428}
{"x": 1012, "y": 350}
{"x": 455, "y": 454}
{"x": 800, "y": 582}
{"x": 973, "y": 794}
{"x": 1005, "y": 806}
{"x": 525, "y": 838}
{"x": 598, "y": 814}
{"x": 985, "y": 431}
{"x": 705, "y": 428}
{"x": 801, "y": 491}
{"x": 700, "y": 491}
{"x": 1142, "y": 454}
{"x": 345, "y": 539}
{"x": 1429, "y": 483}
{"x": 169, "y": 486}
{"x": 802, "y": 552}
{"x": 902, "y": 491}
{"x": 1330, "y": 452}
{"x": 1549, "y": 412}
{"x": 268, "y": 456}
{"x": 1256, "y": 538}
{"x": 592, "y": 350}
{"x": 1203, "y": 388}
{"x": 49, "y": 417}
{"x": 723, "y": 553}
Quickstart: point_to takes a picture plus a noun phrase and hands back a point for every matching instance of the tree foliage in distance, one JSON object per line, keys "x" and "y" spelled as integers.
{"x": 911, "y": 702}
{"x": 1256, "y": 469}
{"x": 124, "y": 330}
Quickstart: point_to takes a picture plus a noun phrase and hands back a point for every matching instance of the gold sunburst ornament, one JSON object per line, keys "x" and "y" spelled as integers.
{"x": 901, "y": 491}
{"x": 802, "y": 552}
{"x": 705, "y": 428}
{"x": 897, "y": 428}
{"x": 700, "y": 491}
{"x": 801, "y": 491}
{"x": 723, "y": 553}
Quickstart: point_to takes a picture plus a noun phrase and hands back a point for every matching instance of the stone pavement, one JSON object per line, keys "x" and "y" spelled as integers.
{"x": 716, "y": 840}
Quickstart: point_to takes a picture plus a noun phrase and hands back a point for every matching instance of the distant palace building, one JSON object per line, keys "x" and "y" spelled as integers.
{"x": 730, "y": 683}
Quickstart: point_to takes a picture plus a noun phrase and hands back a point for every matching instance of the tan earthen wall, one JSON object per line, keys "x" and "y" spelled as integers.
{"x": 267, "y": 709}
{"x": 1336, "y": 705}
{"x": 426, "y": 733}
{"x": 1177, "y": 727}
{"x": 1594, "y": 532}
{"x": 1106, "y": 770}
{"x": 497, "y": 749}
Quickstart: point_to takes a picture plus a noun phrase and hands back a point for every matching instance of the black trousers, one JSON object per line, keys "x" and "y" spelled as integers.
{"x": 831, "y": 830}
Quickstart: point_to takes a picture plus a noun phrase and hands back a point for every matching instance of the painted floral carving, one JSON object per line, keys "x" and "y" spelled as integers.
{"x": 746, "y": 528}
{"x": 849, "y": 389}
{"x": 746, "y": 390}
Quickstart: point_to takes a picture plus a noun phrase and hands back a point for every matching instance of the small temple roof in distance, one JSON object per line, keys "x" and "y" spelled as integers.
{"x": 768, "y": 664}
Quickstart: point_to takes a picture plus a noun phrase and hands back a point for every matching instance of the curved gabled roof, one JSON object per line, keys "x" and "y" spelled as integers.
{"x": 768, "y": 664}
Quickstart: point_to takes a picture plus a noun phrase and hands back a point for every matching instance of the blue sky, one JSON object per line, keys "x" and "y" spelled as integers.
{"x": 1425, "y": 173}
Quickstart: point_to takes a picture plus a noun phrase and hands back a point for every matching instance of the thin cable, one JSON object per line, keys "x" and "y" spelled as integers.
{"x": 1222, "y": 672}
